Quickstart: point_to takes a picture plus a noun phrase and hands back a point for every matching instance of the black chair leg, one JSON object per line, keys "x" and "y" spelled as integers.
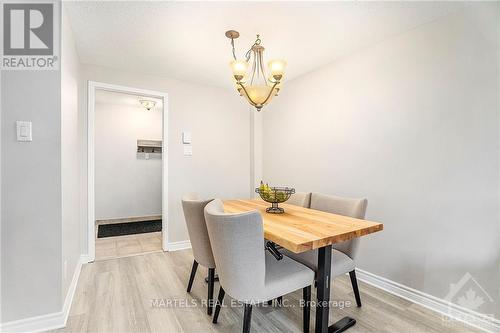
{"x": 306, "y": 296}
{"x": 220, "y": 299}
{"x": 247, "y": 318}
{"x": 210, "y": 298}
{"x": 279, "y": 300}
{"x": 193, "y": 273}
{"x": 354, "y": 282}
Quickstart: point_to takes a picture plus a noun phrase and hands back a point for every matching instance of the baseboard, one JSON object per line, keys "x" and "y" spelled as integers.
{"x": 439, "y": 305}
{"x": 128, "y": 219}
{"x": 85, "y": 259}
{"x": 49, "y": 321}
{"x": 176, "y": 246}
{"x": 72, "y": 288}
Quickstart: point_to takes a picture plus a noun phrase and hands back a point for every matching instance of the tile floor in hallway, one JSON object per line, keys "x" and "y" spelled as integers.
{"x": 124, "y": 246}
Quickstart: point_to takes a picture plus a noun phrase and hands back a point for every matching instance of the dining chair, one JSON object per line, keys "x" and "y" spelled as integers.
{"x": 247, "y": 272}
{"x": 302, "y": 199}
{"x": 200, "y": 242}
{"x": 343, "y": 254}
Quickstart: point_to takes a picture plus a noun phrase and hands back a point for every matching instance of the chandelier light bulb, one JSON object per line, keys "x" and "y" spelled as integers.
{"x": 277, "y": 67}
{"x": 239, "y": 68}
{"x": 259, "y": 94}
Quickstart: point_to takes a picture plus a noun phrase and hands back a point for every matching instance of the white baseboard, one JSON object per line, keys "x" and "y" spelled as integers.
{"x": 72, "y": 288}
{"x": 85, "y": 259}
{"x": 49, "y": 321}
{"x": 439, "y": 305}
{"x": 176, "y": 246}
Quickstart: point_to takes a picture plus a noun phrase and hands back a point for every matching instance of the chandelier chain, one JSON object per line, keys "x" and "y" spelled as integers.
{"x": 234, "y": 52}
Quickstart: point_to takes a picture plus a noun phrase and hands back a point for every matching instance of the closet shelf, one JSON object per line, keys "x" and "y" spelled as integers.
{"x": 149, "y": 146}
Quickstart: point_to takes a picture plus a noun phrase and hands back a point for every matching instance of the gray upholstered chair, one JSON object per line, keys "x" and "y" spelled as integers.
{"x": 200, "y": 242}
{"x": 246, "y": 271}
{"x": 302, "y": 199}
{"x": 343, "y": 254}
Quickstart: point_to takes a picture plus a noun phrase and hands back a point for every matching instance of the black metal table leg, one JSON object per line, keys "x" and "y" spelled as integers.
{"x": 216, "y": 278}
{"x": 323, "y": 295}
{"x": 323, "y": 288}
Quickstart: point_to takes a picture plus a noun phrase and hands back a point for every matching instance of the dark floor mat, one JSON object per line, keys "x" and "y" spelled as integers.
{"x": 130, "y": 228}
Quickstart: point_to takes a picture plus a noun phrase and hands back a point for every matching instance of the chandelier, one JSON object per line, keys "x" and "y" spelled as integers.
{"x": 256, "y": 87}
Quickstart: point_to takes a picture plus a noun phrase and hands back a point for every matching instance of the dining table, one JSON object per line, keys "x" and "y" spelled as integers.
{"x": 301, "y": 229}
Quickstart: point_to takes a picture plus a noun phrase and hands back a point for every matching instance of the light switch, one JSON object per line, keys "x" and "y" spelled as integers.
{"x": 188, "y": 150}
{"x": 23, "y": 129}
{"x": 186, "y": 137}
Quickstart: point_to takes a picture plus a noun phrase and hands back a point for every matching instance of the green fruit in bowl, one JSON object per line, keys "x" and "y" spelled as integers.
{"x": 280, "y": 196}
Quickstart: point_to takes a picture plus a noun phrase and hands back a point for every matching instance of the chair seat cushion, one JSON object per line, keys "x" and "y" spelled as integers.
{"x": 341, "y": 263}
{"x": 285, "y": 276}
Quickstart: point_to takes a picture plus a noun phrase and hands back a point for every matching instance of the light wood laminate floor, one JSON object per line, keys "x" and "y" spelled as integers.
{"x": 117, "y": 295}
{"x": 125, "y": 246}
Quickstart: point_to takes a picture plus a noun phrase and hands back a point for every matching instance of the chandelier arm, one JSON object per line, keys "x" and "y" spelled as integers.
{"x": 270, "y": 93}
{"x": 248, "y": 96}
{"x": 257, "y": 66}
{"x": 254, "y": 64}
{"x": 262, "y": 67}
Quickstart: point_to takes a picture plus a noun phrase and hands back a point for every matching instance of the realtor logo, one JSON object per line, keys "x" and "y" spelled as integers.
{"x": 28, "y": 29}
{"x": 473, "y": 300}
{"x": 467, "y": 292}
{"x": 29, "y": 36}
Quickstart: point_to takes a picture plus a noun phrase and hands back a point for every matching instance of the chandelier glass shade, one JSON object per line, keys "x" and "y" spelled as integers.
{"x": 251, "y": 81}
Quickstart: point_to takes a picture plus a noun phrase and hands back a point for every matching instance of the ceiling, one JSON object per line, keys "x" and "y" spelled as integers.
{"x": 118, "y": 98}
{"x": 185, "y": 40}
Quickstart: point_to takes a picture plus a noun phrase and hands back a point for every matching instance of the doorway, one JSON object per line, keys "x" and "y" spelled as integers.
{"x": 127, "y": 171}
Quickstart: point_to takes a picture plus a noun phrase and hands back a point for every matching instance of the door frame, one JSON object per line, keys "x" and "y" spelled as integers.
{"x": 91, "y": 90}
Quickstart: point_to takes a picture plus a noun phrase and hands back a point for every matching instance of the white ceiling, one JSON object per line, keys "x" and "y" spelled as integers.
{"x": 185, "y": 40}
{"x": 117, "y": 98}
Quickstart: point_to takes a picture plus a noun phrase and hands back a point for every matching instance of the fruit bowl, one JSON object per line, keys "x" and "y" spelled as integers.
{"x": 275, "y": 195}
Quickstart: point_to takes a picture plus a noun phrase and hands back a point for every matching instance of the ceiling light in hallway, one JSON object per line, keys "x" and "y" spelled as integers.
{"x": 147, "y": 104}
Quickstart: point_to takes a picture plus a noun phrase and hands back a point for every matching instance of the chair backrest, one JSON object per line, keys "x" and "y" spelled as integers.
{"x": 342, "y": 206}
{"x": 238, "y": 246}
{"x": 197, "y": 229}
{"x": 302, "y": 199}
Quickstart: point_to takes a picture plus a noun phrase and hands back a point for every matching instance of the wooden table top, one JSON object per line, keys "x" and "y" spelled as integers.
{"x": 302, "y": 229}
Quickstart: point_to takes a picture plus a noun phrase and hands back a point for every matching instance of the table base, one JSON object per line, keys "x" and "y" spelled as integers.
{"x": 342, "y": 325}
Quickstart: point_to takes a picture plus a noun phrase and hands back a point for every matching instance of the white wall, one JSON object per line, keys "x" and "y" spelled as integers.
{"x": 411, "y": 124}
{"x": 31, "y": 195}
{"x": 70, "y": 156}
{"x": 126, "y": 186}
{"x": 40, "y": 244}
{"x": 219, "y": 122}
